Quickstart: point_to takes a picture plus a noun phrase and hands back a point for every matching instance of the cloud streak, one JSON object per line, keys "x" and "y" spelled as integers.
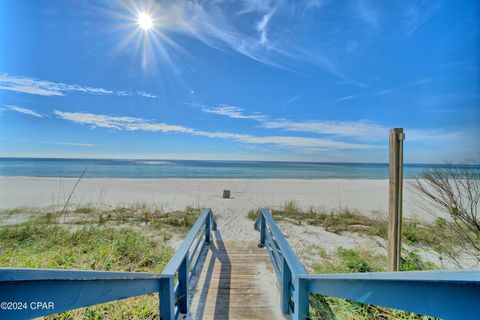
{"x": 139, "y": 124}
{"x": 40, "y": 87}
{"x": 23, "y": 110}
{"x": 249, "y": 28}
{"x": 367, "y": 13}
{"x": 358, "y": 130}
{"x": 418, "y": 14}
{"x": 73, "y": 144}
{"x": 353, "y": 129}
{"x": 365, "y": 130}
{"x": 232, "y": 112}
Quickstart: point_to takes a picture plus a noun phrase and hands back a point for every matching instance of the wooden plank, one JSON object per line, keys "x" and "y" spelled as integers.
{"x": 236, "y": 282}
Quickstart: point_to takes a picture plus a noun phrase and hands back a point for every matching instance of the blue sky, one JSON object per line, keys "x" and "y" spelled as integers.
{"x": 310, "y": 80}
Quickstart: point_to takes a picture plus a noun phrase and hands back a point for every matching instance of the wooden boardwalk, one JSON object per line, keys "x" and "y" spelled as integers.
{"x": 237, "y": 281}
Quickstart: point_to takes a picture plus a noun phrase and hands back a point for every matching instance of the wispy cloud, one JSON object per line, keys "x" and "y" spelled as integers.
{"x": 315, "y": 4}
{"x": 366, "y": 12}
{"x": 232, "y": 112}
{"x": 23, "y": 110}
{"x": 352, "y": 83}
{"x": 292, "y": 99}
{"x": 256, "y": 34}
{"x": 383, "y": 92}
{"x": 305, "y": 142}
{"x": 345, "y": 98}
{"x": 263, "y": 24}
{"x": 47, "y": 88}
{"x": 73, "y": 144}
{"x": 360, "y": 130}
{"x": 365, "y": 130}
{"x": 418, "y": 14}
{"x": 139, "y": 124}
{"x": 145, "y": 94}
{"x": 353, "y": 129}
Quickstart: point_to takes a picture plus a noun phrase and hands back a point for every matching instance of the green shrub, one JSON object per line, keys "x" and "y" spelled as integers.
{"x": 412, "y": 261}
{"x": 352, "y": 261}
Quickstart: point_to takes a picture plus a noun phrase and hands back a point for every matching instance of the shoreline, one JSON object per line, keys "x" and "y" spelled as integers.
{"x": 193, "y": 178}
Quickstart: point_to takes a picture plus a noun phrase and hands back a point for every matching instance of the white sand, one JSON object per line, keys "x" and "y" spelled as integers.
{"x": 368, "y": 196}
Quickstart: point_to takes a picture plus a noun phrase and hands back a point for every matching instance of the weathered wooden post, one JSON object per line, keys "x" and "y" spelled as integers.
{"x": 395, "y": 199}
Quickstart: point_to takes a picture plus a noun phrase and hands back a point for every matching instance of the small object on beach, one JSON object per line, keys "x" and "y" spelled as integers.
{"x": 226, "y": 194}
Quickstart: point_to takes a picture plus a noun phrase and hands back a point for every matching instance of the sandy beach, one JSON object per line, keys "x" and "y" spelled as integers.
{"x": 368, "y": 196}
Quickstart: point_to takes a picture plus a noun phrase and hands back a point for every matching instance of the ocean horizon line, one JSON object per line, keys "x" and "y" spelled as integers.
{"x": 203, "y": 169}
{"x": 240, "y": 160}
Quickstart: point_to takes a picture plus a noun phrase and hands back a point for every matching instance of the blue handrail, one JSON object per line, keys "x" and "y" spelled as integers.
{"x": 184, "y": 264}
{"x": 288, "y": 268}
{"x": 29, "y": 293}
{"x": 47, "y": 291}
{"x": 445, "y": 294}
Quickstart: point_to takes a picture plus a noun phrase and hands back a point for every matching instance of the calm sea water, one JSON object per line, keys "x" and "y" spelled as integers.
{"x": 97, "y": 168}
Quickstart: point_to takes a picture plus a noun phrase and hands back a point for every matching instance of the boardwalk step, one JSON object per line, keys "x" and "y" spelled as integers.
{"x": 237, "y": 281}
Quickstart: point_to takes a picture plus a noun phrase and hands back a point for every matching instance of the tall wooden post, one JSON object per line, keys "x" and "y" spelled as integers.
{"x": 395, "y": 199}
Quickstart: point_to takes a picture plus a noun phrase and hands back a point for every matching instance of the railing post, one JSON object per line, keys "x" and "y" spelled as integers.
{"x": 167, "y": 299}
{"x": 395, "y": 199}
{"x": 262, "y": 230}
{"x": 300, "y": 299}
{"x": 207, "y": 228}
{"x": 183, "y": 286}
{"x": 285, "y": 287}
{"x": 212, "y": 220}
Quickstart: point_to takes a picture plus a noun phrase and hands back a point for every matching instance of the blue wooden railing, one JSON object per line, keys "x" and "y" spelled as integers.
{"x": 29, "y": 293}
{"x": 184, "y": 265}
{"x": 444, "y": 294}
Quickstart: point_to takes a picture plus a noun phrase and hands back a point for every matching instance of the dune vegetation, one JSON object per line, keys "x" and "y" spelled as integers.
{"x": 92, "y": 239}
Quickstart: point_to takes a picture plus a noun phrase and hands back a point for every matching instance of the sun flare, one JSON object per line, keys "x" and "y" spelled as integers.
{"x": 145, "y": 21}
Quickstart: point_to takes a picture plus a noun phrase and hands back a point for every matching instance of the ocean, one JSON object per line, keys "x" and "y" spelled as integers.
{"x": 100, "y": 168}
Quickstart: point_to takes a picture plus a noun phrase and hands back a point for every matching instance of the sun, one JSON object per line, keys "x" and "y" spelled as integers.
{"x": 145, "y": 21}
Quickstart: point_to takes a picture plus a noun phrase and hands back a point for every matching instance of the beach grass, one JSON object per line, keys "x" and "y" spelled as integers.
{"x": 414, "y": 232}
{"x": 77, "y": 239}
{"x": 32, "y": 245}
{"x": 140, "y": 213}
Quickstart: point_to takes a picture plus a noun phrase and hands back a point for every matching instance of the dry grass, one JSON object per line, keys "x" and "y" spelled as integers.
{"x": 435, "y": 236}
{"x": 333, "y": 221}
{"x": 32, "y": 245}
{"x": 93, "y": 239}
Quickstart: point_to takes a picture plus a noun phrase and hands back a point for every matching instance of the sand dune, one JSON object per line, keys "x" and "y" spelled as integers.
{"x": 368, "y": 196}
